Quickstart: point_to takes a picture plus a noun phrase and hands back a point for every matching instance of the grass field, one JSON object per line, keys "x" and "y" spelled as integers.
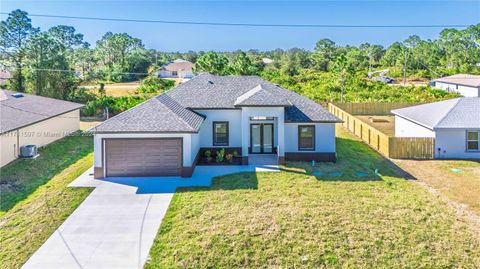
{"x": 293, "y": 219}
{"x": 35, "y": 199}
{"x": 462, "y": 185}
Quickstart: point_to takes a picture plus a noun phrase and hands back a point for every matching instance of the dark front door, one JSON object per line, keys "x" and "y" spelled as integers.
{"x": 261, "y": 138}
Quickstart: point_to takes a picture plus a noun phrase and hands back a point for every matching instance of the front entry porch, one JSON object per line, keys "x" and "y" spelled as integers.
{"x": 263, "y": 159}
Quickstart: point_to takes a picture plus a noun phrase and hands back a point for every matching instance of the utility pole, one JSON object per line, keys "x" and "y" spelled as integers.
{"x": 405, "y": 67}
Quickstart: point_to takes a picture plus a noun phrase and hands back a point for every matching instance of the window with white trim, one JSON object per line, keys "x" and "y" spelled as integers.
{"x": 473, "y": 140}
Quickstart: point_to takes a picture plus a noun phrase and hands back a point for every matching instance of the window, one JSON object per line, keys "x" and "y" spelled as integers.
{"x": 473, "y": 140}
{"x": 174, "y": 73}
{"x": 220, "y": 133}
{"x": 306, "y": 137}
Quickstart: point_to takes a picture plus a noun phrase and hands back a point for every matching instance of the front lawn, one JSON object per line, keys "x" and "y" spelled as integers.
{"x": 35, "y": 199}
{"x": 294, "y": 219}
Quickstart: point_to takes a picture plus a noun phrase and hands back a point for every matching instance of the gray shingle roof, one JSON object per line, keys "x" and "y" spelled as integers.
{"x": 159, "y": 114}
{"x": 210, "y": 91}
{"x": 461, "y": 79}
{"x": 172, "y": 110}
{"x": 453, "y": 113}
{"x": 261, "y": 96}
{"x": 19, "y": 112}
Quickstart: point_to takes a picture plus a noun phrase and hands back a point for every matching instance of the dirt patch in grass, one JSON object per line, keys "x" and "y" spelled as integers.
{"x": 462, "y": 186}
{"x": 295, "y": 219}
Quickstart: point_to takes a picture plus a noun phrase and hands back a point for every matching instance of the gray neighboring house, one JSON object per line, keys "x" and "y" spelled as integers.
{"x": 28, "y": 119}
{"x": 464, "y": 84}
{"x": 166, "y": 135}
{"x": 454, "y": 123}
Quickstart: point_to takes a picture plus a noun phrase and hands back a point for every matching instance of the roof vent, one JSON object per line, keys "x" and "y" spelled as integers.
{"x": 210, "y": 82}
{"x": 17, "y": 95}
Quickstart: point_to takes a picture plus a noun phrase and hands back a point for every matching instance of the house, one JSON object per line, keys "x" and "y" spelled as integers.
{"x": 465, "y": 84}
{"x": 33, "y": 120}
{"x": 5, "y": 75}
{"x": 454, "y": 123}
{"x": 176, "y": 69}
{"x": 165, "y": 135}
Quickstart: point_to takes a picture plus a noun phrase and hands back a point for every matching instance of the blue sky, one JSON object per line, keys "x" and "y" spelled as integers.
{"x": 190, "y": 37}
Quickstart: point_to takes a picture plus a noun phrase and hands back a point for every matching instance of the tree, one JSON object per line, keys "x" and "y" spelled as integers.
{"x": 324, "y": 54}
{"x": 213, "y": 63}
{"x": 50, "y": 74}
{"x": 344, "y": 72}
{"x": 66, "y": 36}
{"x": 113, "y": 50}
{"x": 14, "y": 34}
{"x": 242, "y": 65}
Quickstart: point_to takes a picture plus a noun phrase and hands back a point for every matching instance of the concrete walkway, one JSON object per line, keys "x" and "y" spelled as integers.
{"x": 117, "y": 223}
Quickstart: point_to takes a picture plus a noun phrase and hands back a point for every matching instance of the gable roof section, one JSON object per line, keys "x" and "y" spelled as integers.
{"x": 160, "y": 114}
{"x": 260, "y": 96}
{"x": 178, "y": 65}
{"x": 207, "y": 91}
{"x": 19, "y": 112}
{"x": 461, "y": 79}
{"x": 453, "y": 113}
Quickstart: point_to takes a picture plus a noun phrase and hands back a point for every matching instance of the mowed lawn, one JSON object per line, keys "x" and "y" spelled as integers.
{"x": 293, "y": 219}
{"x": 35, "y": 199}
{"x": 459, "y": 180}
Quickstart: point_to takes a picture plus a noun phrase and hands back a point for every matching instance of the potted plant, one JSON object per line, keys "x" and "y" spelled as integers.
{"x": 208, "y": 155}
{"x": 220, "y": 155}
{"x": 229, "y": 158}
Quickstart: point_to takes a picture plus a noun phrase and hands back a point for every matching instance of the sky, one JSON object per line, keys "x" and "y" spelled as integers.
{"x": 169, "y": 37}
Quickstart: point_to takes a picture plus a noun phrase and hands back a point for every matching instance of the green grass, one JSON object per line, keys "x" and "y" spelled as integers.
{"x": 22, "y": 177}
{"x": 292, "y": 219}
{"x": 35, "y": 197}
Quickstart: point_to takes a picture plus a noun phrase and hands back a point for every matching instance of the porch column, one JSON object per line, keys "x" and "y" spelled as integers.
{"x": 281, "y": 138}
{"x": 245, "y": 136}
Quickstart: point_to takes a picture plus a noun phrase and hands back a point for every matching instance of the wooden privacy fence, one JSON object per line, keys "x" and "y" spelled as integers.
{"x": 378, "y": 109}
{"x": 392, "y": 147}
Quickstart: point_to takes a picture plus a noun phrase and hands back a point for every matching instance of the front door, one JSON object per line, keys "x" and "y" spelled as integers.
{"x": 261, "y": 138}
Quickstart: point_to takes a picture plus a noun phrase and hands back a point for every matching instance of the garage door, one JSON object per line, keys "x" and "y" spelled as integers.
{"x": 143, "y": 157}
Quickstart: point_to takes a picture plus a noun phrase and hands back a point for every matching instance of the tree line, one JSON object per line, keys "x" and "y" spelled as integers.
{"x": 56, "y": 61}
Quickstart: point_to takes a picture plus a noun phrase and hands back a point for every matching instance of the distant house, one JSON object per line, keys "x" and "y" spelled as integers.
{"x": 465, "y": 84}
{"x": 4, "y": 76}
{"x": 267, "y": 61}
{"x": 454, "y": 123}
{"x": 176, "y": 69}
{"x": 33, "y": 120}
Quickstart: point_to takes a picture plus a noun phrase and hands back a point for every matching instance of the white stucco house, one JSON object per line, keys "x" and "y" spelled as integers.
{"x": 454, "y": 123}
{"x": 464, "y": 84}
{"x": 27, "y": 119}
{"x": 166, "y": 135}
{"x": 177, "y": 69}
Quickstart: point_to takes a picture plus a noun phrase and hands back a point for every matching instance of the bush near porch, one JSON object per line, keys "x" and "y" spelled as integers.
{"x": 294, "y": 219}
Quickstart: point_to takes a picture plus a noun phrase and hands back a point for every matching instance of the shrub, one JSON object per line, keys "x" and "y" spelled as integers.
{"x": 229, "y": 157}
{"x": 220, "y": 155}
{"x": 207, "y": 153}
{"x": 153, "y": 84}
{"x": 236, "y": 154}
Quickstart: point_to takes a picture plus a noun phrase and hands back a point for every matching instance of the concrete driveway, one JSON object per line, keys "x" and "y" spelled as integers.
{"x": 117, "y": 223}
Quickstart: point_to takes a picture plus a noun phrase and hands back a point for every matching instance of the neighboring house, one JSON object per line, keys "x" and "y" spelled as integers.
{"x": 454, "y": 123}
{"x": 267, "y": 61}
{"x": 33, "y": 120}
{"x": 4, "y": 76}
{"x": 176, "y": 69}
{"x": 165, "y": 135}
{"x": 465, "y": 84}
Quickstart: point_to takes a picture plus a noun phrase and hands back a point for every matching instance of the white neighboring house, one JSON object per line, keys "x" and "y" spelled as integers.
{"x": 465, "y": 84}
{"x": 33, "y": 120}
{"x": 454, "y": 123}
{"x": 176, "y": 69}
{"x": 166, "y": 135}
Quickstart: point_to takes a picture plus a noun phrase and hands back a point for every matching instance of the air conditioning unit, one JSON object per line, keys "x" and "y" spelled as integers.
{"x": 28, "y": 151}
